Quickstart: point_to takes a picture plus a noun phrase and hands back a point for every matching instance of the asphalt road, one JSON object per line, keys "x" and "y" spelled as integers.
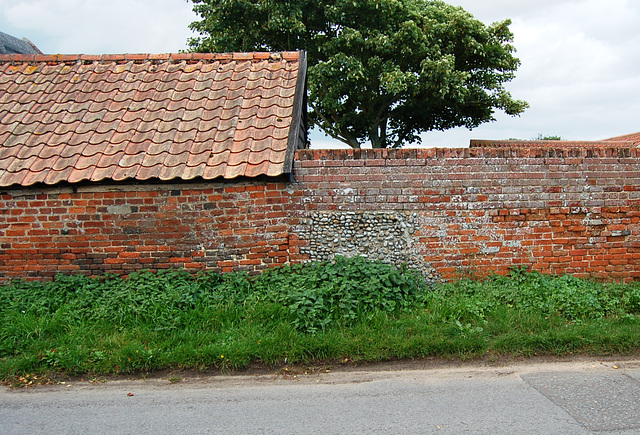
{"x": 577, "y": 397}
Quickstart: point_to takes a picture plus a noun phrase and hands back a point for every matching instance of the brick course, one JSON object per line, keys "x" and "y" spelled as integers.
{"x": 565, "y": 210}
{"x": 123, "y": 228}
{"x": 569, "y": 210}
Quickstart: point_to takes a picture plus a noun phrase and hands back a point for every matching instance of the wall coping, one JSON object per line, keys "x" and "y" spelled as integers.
{"x": 549, "y": 144}
{"x": 479, "y": 152}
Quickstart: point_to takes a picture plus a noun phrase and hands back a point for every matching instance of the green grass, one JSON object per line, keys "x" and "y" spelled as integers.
{"x": 306, "y": 314}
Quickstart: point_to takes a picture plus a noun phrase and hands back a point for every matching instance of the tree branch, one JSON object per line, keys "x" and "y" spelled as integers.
{"x": 341, "y": 135}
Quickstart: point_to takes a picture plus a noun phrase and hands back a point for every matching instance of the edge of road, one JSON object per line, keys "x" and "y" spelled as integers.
{"x": 346, "y": 372}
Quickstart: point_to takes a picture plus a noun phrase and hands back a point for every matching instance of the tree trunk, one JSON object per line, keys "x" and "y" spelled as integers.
{"x": 378, "y": 135}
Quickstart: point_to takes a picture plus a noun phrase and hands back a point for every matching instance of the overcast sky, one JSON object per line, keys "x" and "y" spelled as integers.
{"x": 580, "y": 58}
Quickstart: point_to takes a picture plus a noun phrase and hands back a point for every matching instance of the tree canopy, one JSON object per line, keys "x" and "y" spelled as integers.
{"x": 379, "y": 70}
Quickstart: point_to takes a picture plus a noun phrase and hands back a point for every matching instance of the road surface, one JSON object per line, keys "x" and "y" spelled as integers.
{"x": 576, "y": 397}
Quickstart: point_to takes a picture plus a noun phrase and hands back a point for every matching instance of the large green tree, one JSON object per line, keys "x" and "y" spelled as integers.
{"x": 382, "y": 70}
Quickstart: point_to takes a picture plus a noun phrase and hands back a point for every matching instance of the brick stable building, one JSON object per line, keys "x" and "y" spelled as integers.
{"x": 119, "y": 162}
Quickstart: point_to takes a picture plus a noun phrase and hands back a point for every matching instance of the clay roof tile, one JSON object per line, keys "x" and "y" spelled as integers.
{"x": 73, "y": 118}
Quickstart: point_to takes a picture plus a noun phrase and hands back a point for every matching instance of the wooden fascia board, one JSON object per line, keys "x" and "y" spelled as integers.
{"x": 299, "y": 114}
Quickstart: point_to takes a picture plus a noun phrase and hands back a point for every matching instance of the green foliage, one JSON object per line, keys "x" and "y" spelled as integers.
{"x": 541, "y": 136}
{"x": 566, "y": 296}
{"x": 320, "y": 294}
{"x": 355, "y": 308}
{"x": 379, "y": 70}
{"x": 631, "y": 300}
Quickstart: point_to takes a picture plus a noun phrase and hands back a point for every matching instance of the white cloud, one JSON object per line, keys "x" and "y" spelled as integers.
{"x": 97, "y": 26}
{"x": 579, "y": 69}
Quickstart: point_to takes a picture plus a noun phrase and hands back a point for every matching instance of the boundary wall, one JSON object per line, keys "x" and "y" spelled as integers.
{"x": 445, "y": 211}
{"x": 569, "y": 210}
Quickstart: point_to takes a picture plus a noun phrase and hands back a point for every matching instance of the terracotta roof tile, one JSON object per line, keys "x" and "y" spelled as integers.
{"x": 72, "y": 150}
{"x": 161, "y": 137}
{"x": 75, "y": 117}
{"x": 85, "y": 162}
{"x": 92, "y": 116}
{"x": 153, "y": 160}
{"x": 97, "y": 138}
{"x": 20, "y": 129}
{"x": 136, "y": 148}
{"x": 110, "y": 160}
{"x": 30, "y": 151}
{"x": 121, "y": 173}
{"x": 255, "y": 169}
{"x": 191, "y": 172}
{"x": 219, "y": 157}
{"x": 177, "y": 157}
{"x": 171, "y": 172}
{"x": 47, "y": 154}
{"x": 18, "y": 164}
{"x": 33, "y": 178}
{"x": 59, "y": 140}
{"x": 211, "y": 172}
{"x": 194, "y": 160}
{"x": 111, "y": 115}
{"x": 9, "y": 178}
{"x": 57, "y": 176}
{"x": 143, "y": 136}
{"x": 131, "y": 161}
{"x": 235, "y": 171}
{"x": 63, "y": 163}
{"x": 189, "y": 126}
{"x": 95, "y": 149}
{"x": 256, "y": 158}
{"x": 42, "y": 165}
{"x": 145, "y": 173}
{"x": 101, "y": 173}
{"x": 633, "y": 137}
{"x": 269, "y": 171}
{"x": 77, "y": 174}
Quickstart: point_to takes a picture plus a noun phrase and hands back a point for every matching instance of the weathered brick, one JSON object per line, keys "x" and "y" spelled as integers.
{"x": 499, "y": 208}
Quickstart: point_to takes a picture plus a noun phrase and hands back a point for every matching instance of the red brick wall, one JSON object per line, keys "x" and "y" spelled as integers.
{"x": 557, "y": 210}
{"x": 219, "y": 226}
{"x": 483, "y": 209}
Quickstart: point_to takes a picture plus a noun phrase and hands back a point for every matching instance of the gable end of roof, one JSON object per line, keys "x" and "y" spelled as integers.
{"x": 298, "y": 132}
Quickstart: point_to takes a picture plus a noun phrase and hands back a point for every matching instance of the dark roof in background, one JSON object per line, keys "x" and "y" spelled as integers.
{"x": 12, "y": 45}
{"x": 72, "y": 118}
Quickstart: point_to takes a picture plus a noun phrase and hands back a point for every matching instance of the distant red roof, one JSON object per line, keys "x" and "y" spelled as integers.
{"x": 72, "y": 118}
{"x": 633, "y": 137}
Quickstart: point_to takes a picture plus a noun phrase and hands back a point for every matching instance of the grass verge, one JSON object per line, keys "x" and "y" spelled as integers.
{"x": 303, "y": 314}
